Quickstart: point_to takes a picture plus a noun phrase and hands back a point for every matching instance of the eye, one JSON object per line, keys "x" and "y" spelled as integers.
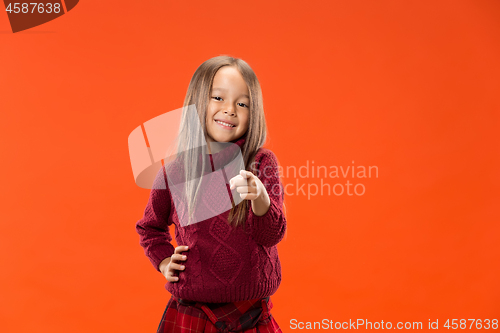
{"x": 216, "y": 97}
{"x": 244, "y": 104}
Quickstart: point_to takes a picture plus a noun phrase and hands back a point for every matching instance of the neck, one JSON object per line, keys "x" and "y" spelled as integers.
{"x": 213, "y": 147}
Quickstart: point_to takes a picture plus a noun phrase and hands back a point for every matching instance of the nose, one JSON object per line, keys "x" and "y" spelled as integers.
{"x": 229, "y": 111}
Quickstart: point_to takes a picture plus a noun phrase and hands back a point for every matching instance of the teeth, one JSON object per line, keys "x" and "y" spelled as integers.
{"x": 225, "y": 124}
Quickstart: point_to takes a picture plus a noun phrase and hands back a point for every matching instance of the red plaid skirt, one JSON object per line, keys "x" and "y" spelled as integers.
{"x": 253, "y": 316}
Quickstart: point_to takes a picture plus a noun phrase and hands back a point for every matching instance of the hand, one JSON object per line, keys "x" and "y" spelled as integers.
{"x": 247, "y": 185}
{"x": 171, "y": 265}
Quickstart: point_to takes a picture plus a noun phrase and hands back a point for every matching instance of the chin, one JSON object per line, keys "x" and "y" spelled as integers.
{"x": 224, "y": 139}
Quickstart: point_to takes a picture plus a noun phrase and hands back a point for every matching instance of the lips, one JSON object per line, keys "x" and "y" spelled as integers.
{"x": 225, "y": 121}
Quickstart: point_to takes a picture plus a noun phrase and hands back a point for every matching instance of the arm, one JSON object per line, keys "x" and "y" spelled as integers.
{"x": 261, "y": 205}
{"x": 153, "y": 227}
{"x": 269, "y": 228}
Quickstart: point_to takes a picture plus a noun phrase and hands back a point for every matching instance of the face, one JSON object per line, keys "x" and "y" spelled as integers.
{"x": 229, "y": 106}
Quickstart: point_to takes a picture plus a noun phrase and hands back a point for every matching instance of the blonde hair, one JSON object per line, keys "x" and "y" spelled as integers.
{"x": 191, "y": 143}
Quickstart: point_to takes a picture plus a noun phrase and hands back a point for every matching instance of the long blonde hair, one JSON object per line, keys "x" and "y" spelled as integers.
{"x": 192, "y": 142}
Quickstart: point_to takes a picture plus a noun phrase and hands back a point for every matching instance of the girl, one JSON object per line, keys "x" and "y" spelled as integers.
{"x": 222, "y": 276}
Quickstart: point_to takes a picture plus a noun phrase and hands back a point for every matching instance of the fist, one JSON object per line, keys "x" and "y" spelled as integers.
{"x": 247, "y": 185}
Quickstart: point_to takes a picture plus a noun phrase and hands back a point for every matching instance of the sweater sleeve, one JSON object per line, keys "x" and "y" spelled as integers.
{"x": 153, "y": 228}
{"x": 269, "y": 229}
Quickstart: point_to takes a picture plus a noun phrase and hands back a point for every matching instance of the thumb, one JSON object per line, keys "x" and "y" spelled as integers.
{"x": 245, "y": 174}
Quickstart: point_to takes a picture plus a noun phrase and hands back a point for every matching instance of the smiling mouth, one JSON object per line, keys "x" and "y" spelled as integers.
{"x": 224, "y": 124}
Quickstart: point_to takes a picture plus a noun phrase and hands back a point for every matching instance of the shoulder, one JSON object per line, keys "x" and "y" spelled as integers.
{"x": 265, "y": 159}
{"x": 265, "y": 155}
{"x": 168, "y": 173}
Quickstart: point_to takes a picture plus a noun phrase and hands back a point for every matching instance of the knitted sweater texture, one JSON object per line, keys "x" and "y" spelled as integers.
{"x": 224, "y": 263}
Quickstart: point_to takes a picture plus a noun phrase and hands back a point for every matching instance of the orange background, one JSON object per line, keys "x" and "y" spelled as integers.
{"x": 408, "y": 86}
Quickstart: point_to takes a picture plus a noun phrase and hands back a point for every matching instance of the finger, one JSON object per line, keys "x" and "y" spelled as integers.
{"x": 179, "y": 257}
{"x": 181, "y": 248}
{"x": 237, "y": 181}
{"x": 177, "y": 267}
{"x": 243, "y": 189}
{"x": 231, "y": 181}
{"x": 171, "y": 278}
{"x": 246, "y": 174}
{"x": 249, "y": 177}
{"x": 248, "y": 196}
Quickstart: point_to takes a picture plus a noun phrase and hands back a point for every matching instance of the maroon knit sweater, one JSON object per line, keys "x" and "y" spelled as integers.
{"x": 224, "y": 263}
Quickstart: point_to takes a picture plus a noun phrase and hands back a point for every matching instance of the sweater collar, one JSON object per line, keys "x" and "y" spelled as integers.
{"x": 238, "y": 142}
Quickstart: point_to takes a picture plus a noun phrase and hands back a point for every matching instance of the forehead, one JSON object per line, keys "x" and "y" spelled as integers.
{"x": 229, "y": 80}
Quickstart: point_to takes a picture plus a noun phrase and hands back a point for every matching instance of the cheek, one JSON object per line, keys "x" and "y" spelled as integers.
{"x": 209, "y": 116}
{"x": 246, "y": 126}
{"x": 246, "y": 123}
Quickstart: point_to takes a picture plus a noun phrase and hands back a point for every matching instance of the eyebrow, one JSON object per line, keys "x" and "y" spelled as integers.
{"x": 222, "y": 89}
